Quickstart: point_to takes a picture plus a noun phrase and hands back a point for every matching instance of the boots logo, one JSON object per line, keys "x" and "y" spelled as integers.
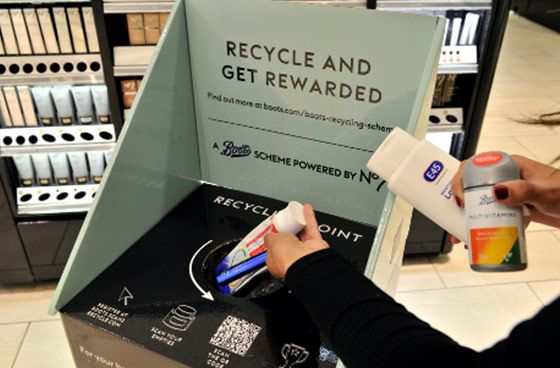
{"x": 231, "y": 150}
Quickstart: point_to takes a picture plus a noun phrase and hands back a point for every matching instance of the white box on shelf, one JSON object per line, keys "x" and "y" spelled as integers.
{"x": 27, "y": 105}
{"x": 34, "y": 30}
{"x": 91, "y": 31}
{"x": 47, "y": 29}
{"x": 5, "y": 113}
{"x": 14, "y": 106}
{"x": 8, "y": 35}
{"x": 133, "y": 55}
{"x": 77, "y": 29}
{"x": 62, "y": 30}
{"x": 20, "y": 30}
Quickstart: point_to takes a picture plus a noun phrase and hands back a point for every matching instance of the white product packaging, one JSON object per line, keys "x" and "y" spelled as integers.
{"x": 84, "y": 104}
{"x": 4, "y": 112}
{"x": 47, "y": 29}
{"x": 42, "y": 168}
{"x": 43, "y": 101}
{"x": 101, "y": 102}
{"x": 34, "y": 31}
{"x": 421, "y": 174}
{"x": 63, "y": 102}
{"x": 78, "y": 36}
{"x": 61, "y": 169}
{"x": 79, "y": 167}
{"x": 27, "y": 105}
{"x": 20, "y": 30}
{"x": 8, "y": 35}
{"x": 24, "y": 168}
{"x": 13, "y": 105}
{"x": 91, "y": 31}
{"x": 96, "y": 165}
{"x": 62, "y": 30}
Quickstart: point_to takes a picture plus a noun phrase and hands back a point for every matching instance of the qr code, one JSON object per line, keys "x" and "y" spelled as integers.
{"x": 235, "y": 335}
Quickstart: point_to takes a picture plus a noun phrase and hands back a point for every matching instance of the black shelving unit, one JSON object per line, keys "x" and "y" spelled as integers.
{"x": 471, "y": 95}
{"x": 37, "y": 235}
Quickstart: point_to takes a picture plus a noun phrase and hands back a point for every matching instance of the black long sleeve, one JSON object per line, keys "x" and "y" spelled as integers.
{"x": 367, "y": 328}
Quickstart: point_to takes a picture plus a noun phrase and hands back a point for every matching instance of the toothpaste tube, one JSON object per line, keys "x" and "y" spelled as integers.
{"x": 288, "y": 220}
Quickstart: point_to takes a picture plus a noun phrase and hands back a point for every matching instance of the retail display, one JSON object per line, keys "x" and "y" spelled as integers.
{"x": 52, "y": 102}
{"x": 222, "y": 151}
{"x": 496, "y": 232}
{"x": 56, "y": 58}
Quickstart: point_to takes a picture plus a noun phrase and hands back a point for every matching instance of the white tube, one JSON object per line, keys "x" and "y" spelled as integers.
{"x": 43, "y": 102}
{"x": 24, "y": 168}
{"x": 84, "y": 104}
{"x": 101, "y": 102}
{"x": 108, "y": 155}
{"x": 96, "y": 165}
{"x": 421, "y": 174}
{"x": 61, "y": 171}
{"x": 42, "y": 168}
{"x": 288, "y": 220}
{"x": 63, "y": 102}
{"x": 79, "y": 167}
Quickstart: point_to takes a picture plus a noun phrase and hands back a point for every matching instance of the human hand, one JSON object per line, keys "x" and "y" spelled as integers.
{"x": 283, "y": 250}
{"x": 538, "y": 189}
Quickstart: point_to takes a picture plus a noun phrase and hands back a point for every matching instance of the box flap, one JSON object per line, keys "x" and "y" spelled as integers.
{"x": 155, "y": 165}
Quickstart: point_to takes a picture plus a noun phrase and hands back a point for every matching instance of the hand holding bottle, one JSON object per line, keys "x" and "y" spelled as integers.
{"x": 538, "y": 190}
{"x": 284, "y": 249}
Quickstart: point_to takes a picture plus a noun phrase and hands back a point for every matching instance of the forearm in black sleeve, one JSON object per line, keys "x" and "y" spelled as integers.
{"x": 365, "y": 326}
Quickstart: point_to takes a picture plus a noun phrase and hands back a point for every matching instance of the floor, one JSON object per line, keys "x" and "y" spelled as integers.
{"x": 476, "y": 309}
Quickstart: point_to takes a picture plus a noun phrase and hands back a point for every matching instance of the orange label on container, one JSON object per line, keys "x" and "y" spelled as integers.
{"x": 487, "y": 158}
{"x": 494, "y": 246}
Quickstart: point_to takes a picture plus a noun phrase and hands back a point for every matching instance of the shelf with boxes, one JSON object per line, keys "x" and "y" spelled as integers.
{"x": 48, "y": 30}
{"x": 136, "y": 29}
{"x": 123, "y": 6}
{"x": 473, "y": 34}
{"x": 58, "y": 182}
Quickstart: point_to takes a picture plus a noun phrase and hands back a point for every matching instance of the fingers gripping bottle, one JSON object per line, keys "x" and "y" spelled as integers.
{"x": 288, "y": 220}
{"x": 496, "y": 232}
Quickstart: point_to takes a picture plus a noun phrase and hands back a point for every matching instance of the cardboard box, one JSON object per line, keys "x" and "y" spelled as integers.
{"x": 159, "y": 305}
{"x": 209, "y": 113}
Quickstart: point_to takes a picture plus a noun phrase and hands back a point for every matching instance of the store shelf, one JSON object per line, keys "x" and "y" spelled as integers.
{"x": 458, "y": 68}
{"x": 43, "y": 2}
{"x": 132, "y": 60}
{"x": 74, "y": 138}
{"x": 449, "y": 120}
{"x": 55, "y": 199}
{"x": 412, "y": 5}
{"x": 129, "y": 70}
{"x": 41, "y": 69}
{"x": 137, "y": 6}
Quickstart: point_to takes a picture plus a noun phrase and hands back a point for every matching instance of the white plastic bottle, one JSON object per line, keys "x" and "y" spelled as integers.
{"x": 421, "y": 174}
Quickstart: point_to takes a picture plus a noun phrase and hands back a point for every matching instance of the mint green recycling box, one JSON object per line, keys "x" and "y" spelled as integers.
{"x": 283, "y": 100}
